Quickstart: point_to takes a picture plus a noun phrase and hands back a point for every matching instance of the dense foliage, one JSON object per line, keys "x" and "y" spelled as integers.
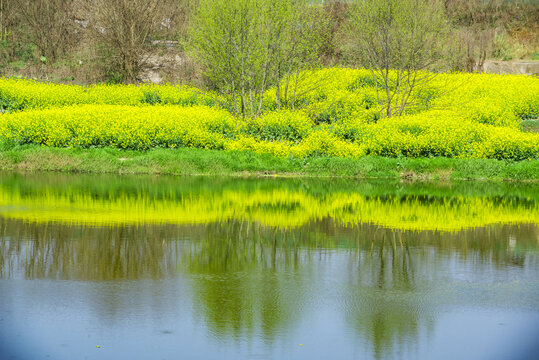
{"x": 335, "y": 112}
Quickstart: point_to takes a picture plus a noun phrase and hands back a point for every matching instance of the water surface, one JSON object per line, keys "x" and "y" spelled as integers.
{"x": 205, "y": 268}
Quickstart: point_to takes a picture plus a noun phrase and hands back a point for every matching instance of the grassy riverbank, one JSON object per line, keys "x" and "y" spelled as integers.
{"x": 191, "y": 161}
{"x": 458, "y": 126}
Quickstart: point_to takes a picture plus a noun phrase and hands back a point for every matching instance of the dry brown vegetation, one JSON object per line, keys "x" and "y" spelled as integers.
{"x": 88, "y": 41}
{"x": 493, "y": 29}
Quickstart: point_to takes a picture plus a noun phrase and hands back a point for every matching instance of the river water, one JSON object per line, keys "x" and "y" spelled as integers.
{"x": 108, "y": 267}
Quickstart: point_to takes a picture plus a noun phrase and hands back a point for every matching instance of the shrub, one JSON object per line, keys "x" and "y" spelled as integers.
{"x": 126, "y": 127}
{"x": 18, "y": 94}
{"x": 279, "y": 125}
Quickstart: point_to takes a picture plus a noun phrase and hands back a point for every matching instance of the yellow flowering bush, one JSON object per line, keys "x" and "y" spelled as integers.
{"x": 416, "y": 136}
{"x": 19, "y": 94}
{"x": 176, "y": 95}
{"x": 323, "y": 142}
{"x": 279, "y": 125}
{"x": 126, "y": 127}
{"x": 337, "y": 94}
{"x": 337, "y": 113}
{"x": 144, "y": 127}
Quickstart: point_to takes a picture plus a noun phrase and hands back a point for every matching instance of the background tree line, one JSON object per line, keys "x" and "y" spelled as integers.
{"x": 243, "y": 47}
{"x": 85, "y": 40}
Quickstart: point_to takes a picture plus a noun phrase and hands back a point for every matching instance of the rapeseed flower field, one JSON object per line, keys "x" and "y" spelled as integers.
{"x": 333, "y": 112}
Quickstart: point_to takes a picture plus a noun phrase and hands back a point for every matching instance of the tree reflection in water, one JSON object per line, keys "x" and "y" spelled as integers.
{"x": 247, "y": 278}
{"x": 53, "y": 251}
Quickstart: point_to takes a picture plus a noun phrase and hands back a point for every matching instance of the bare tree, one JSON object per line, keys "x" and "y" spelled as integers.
{"x": 399, "y": 40}
{"x": 48, "y": 24}
{"x": 304, "y": 34}
{"x": 4, "y": 16}
{"x": 6, "y": 26}
{"x": 123, "y": 29}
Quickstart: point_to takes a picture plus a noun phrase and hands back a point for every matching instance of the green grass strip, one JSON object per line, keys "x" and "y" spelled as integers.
{"x": 190, "y": 161}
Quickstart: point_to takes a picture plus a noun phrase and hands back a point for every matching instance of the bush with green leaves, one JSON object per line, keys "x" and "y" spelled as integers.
{"x": 247, "y": 46}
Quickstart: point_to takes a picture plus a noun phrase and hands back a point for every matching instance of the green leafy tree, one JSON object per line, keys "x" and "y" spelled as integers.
{"x": 247, "y": 46}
